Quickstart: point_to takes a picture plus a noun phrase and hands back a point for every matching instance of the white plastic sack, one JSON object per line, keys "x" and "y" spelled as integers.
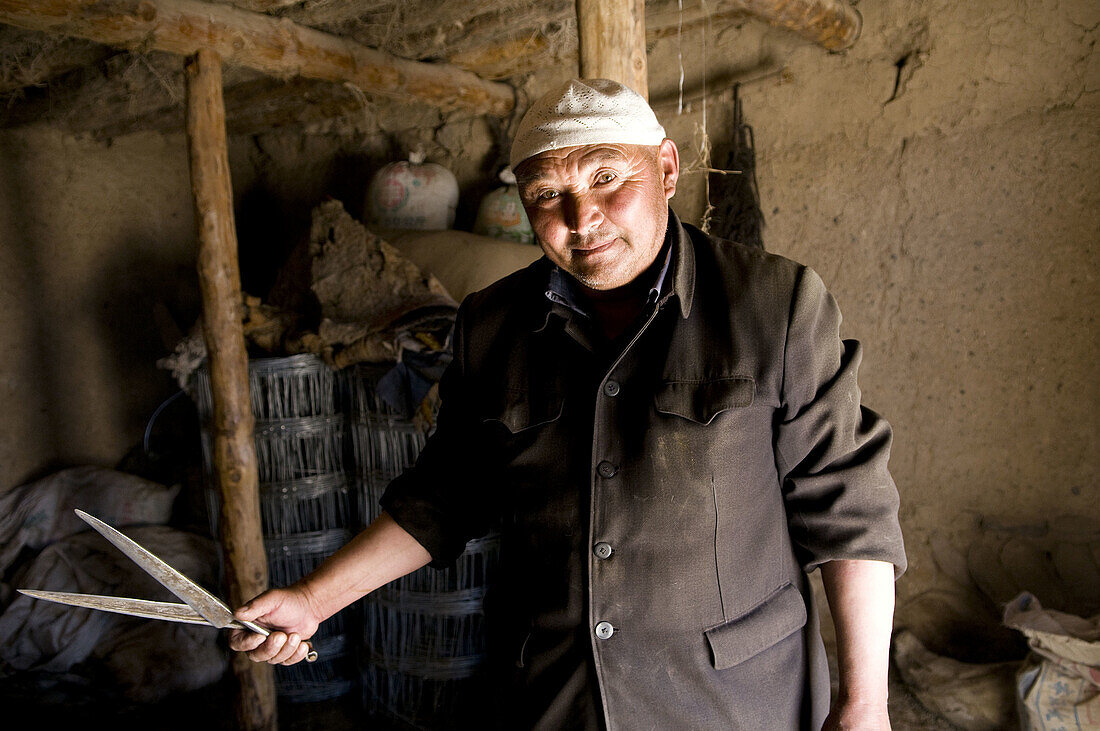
{"x": 1058, "y": 688}
{"x": 37, "y": 513}
{"x": 148, "y": 659}
{"x": 413, "y": 194}
{"x": 972, "y": 696}
{"x": 501, "y": 215}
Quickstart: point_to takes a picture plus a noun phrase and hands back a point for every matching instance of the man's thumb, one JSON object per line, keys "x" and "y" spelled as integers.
{"x": 254, "y": 608}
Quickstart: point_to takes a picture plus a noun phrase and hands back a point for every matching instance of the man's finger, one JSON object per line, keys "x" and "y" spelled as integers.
{"x": 288, "y": 650}
{"x": 269, "y": 648}
{"x": 244, "y": 641}
{"x": 299, "y": 654}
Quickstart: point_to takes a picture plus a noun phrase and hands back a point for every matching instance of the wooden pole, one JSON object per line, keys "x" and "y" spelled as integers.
{"x": 611, "y": 36}
{"x": 233, "y": 425}
{"x": 275, "y": 46}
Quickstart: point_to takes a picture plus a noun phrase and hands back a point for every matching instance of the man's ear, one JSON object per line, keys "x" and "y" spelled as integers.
{"x": 668, "y": 161}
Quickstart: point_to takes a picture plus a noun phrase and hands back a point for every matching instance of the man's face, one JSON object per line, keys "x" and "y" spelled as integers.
{"x": 600, "y": 211}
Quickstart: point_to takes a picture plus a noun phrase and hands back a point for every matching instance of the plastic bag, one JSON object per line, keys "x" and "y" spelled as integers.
{"x": 37, "y": 513}
{"x": 1058, "y": 688}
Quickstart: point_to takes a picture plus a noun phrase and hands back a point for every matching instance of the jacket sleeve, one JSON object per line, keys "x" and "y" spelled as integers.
{"x": 831, "y": 451}
{"x": 441, "y": 500}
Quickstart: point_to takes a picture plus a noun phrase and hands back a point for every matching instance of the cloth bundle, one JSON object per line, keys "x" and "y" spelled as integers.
{"x": 143, "y": 660}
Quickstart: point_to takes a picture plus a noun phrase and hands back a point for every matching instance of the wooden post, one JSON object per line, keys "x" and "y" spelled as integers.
{"x": 612, "y": 42}
{"x": 233, "y": 425}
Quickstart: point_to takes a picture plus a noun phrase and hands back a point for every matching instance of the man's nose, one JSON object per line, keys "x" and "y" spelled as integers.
{"x": 582, "y": 213}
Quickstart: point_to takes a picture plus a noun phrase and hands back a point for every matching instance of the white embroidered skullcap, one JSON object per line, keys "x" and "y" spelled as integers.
{"x": 585, "y": 112}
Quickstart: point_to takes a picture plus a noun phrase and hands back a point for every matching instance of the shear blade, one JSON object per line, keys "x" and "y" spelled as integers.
{"x": 144, "y": 608}
{"x": 206, "y": 604}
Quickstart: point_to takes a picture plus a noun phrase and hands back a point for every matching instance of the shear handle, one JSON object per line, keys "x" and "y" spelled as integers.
{"x": 311, "y": 656}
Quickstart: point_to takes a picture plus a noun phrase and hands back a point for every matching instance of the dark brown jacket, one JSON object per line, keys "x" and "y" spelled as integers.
{"x": 661, "y": 498}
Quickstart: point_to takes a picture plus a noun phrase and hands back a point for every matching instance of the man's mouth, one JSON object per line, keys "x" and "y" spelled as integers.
{"x": 588, "y": 249}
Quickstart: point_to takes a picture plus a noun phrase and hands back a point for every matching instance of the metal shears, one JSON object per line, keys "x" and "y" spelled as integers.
{"x": 201, "y": 606}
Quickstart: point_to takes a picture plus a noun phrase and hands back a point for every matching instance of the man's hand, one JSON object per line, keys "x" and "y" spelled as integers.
{"x": 861, "y": 716}
{"x": 290, "y": 616}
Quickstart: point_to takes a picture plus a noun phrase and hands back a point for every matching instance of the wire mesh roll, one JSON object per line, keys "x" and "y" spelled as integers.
{"x": 419, "y": 701}
{"x": 425, "y": 700}
{"x": 279, "y": 388}
{"x": 310, "y": 504}
{"x": 423, "y": 635}
{"x": 424, "y": 630}
{"x": 307, "y": 509}
{"x": 424, "y": 638}
{"x": 383, "y": 441}
{"x": 382, "y": 448}
{"x": 362, "y": 390}
{"x": 292, "y": 449}
{"x": 301, "y": 506}
{"x": 291, "y": 557}
{"x": 473, "y": 570}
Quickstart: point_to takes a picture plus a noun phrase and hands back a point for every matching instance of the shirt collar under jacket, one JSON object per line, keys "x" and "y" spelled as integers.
{"x": 562, "y": 288}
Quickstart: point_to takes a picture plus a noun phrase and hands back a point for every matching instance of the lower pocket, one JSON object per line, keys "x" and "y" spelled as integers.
{"x": 777, "y": 617}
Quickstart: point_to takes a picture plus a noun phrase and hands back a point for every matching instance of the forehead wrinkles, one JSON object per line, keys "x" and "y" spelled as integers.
{"x": 547, "y": 167}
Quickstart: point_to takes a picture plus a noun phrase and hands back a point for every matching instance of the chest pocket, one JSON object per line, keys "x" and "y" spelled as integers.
{"x": 701, "y": 401}
{"x": 519, "y": 410}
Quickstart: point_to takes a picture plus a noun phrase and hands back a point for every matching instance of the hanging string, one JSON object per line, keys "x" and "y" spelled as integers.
{"x": 680, "y": 56}
{"x": 701, "y": 140}
{"x": 706, "y": 30}
{"x": 704, "y": 143}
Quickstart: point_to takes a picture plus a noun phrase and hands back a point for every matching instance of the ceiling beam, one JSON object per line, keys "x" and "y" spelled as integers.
{"x": 262, "y": 6}
{"x": 274, "y": 46}
{"x": 832, "y": 24}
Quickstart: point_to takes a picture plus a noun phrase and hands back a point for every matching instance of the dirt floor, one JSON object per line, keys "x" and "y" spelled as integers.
{"x": 211, "y": 709}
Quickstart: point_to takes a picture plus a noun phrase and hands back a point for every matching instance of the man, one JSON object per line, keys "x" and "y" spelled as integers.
{"x": 666, "y": 430}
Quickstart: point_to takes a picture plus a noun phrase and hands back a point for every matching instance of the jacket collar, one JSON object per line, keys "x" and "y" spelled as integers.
{"x": 683, "y": 265}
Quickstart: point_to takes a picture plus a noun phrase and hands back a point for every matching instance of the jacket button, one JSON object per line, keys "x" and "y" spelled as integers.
{"x": 604, "y": 630}
{"x": 606, "y": 469}
{"x": 602, "y": 550}
{"x": 611, "y": 388}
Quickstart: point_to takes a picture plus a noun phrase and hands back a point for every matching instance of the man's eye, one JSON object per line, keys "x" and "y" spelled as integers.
{"x": 605, "y": 177}
{"x": 548, "y": 195}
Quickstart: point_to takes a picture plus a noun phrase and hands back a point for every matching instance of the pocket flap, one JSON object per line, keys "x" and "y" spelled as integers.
{"x": 520, "y": 410}
{"x": 701, "y": 401}
{"x": 777, "y": 617}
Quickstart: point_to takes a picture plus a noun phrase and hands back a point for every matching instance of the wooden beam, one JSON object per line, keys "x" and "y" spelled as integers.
{"x": 669, "y": 20}
{"x": 233, "y": 425}
{"x": 131, "y": 93}
{"x": 611, "y": 36}
{"x": 262, "y": 6}
{"x": 272, "y": 45}
{"x": 832, "y": 24}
